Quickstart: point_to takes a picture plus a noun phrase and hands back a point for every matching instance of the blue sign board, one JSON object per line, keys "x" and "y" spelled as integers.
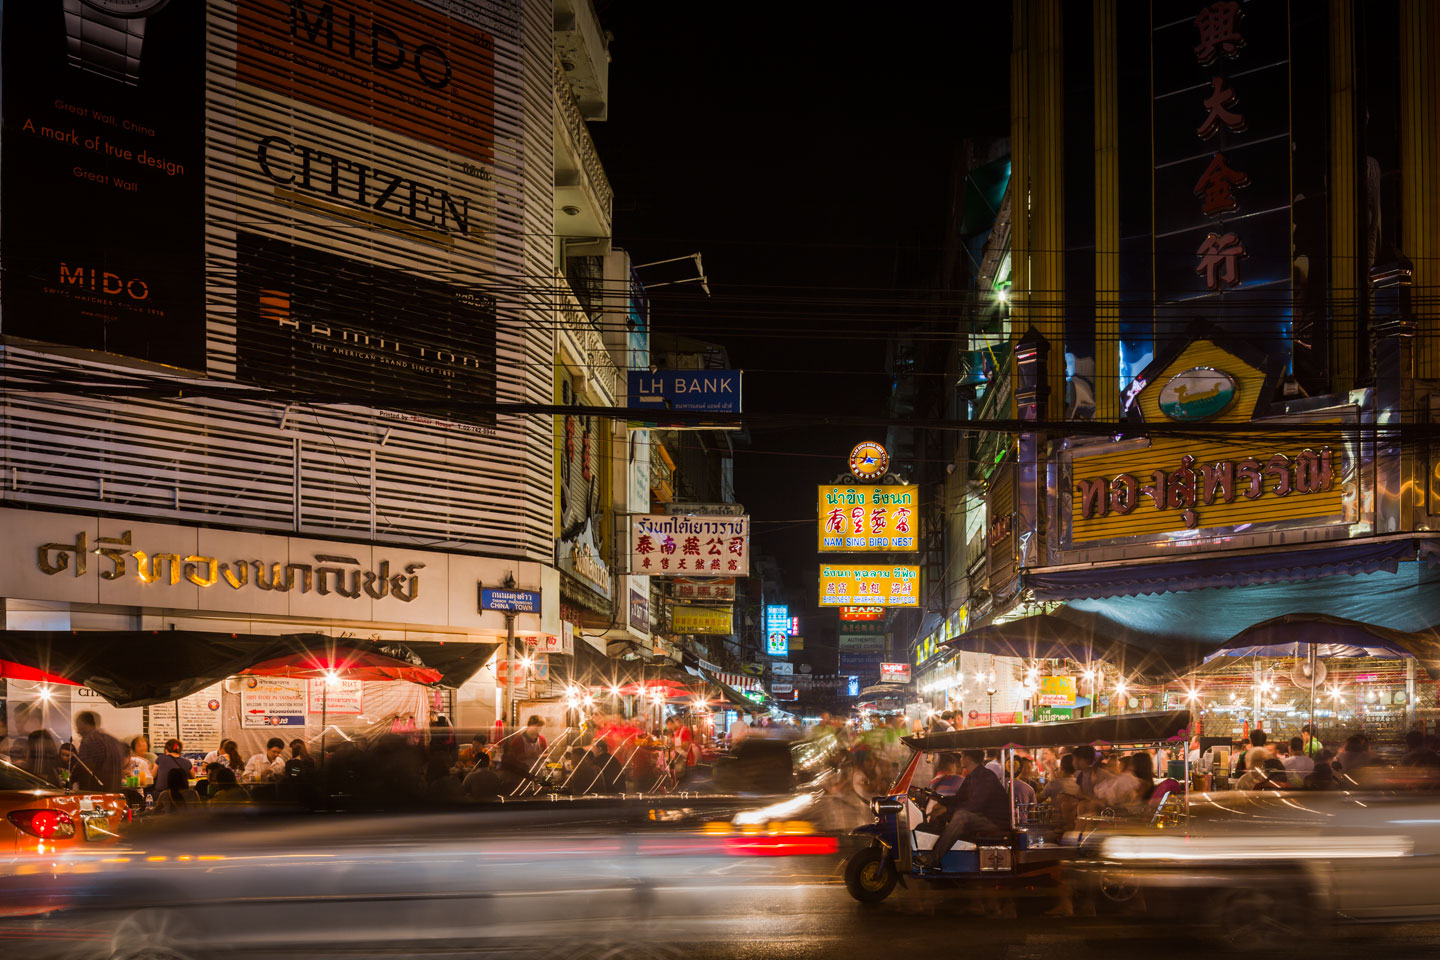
{"x": 853, "y": 687}
{"x": 510, "y": 601}
{"x": 777, "y": 619}
{"x": 698, "y": 391}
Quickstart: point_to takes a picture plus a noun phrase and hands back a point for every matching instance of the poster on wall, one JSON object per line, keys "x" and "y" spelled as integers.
{"x": 103, "y": 181}
{"x": 272, "y": 702}
{"x": 308, "y": 320}
{"x": 199, "y": 721}
{"x": 336, "y": 697}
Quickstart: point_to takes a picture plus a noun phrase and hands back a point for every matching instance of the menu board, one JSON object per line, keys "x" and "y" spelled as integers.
{"x": 198, "y": 721}
{"x": 272, "y": 702}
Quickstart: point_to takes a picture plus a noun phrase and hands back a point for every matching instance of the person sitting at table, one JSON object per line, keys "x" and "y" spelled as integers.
{"x": 266, "y": 766}
{"x": 481, "y": 784}
{"x": 227, "y": 753}
{"x": 177, "y": 797}
{"x": 222, "y": 785}
{"x": 140, "y": 763}
{"x": 171, "y": 759}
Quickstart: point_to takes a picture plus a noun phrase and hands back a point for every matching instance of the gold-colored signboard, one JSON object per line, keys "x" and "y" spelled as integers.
{"x": 862, "y": 519}
{"x": 883, "y": 585}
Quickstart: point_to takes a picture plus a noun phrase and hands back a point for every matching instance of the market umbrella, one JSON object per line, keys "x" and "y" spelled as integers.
{"x": 10, "y": 670}
{"x": 669, "y": 688}
{"x": 340, "y": 663}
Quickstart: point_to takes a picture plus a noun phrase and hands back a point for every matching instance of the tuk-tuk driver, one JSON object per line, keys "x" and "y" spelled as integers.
{"x": 981, "y": 805}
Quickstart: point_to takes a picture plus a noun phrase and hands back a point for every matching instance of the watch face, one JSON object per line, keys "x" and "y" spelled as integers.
{"x": 126, "y": 8}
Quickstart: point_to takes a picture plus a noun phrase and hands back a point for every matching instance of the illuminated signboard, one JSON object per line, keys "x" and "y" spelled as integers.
{"x": 857, "y": 519}
{"x": 885, "y": 585}
{"x": 852, "y": 686}
{"x": 869, "y": 461}
{"x": 894, "y": 673}
{"x": 701, "y": 620}
{"x": 1057, "y": 691}
{"x": 777, "y": 630}
{"x": 856, "y": 614}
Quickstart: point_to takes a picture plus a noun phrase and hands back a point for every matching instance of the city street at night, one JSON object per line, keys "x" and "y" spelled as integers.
{"x": 634, "y": 480}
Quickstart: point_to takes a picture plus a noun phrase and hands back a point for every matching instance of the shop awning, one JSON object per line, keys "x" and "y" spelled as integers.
{"x": 1167, "y": 635}
{"x": 1198, "y": 573}
{"x": 137, "y": 668}
{"x": 1334, "y": 637}
{"x": 728, "y": 691}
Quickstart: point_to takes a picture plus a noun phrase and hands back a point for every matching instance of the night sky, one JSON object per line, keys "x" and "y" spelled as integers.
{"x": 806, "y": 153}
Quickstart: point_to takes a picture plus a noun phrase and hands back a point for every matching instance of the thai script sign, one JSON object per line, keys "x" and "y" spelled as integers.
{"x": 701, "y": 620}
{"x": 336, "y": 697}
{"x": 330, "y": 573}
{"x": 510, "y": 601}
{"x": 894, "y": 673}
{"x": 890, "y": 585}
{"x": 1057, "y": 691}
{"x": 1208, "y": 486}
{"x": 857, "y": 519}
{"x": 690, "y": 546}
{"x": 272, "y": 702}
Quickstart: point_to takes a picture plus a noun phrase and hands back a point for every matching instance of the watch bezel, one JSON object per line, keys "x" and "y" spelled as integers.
{"x": 147, "y": 8}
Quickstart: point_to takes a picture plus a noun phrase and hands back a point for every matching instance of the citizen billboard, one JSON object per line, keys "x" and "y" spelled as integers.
{"x": 309, "y": 321}
{"x": 103, "y": 182}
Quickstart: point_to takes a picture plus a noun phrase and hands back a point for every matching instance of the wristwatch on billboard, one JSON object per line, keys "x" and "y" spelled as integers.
{"x": 105, "y": 36}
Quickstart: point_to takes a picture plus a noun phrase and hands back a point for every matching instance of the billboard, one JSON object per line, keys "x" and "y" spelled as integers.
{"x": 392, "y": 64}
{"x": 868, "y": 519}
{"x": 861, "y": 614}
{"x": 701, "y": 620}
{"x": 306, "y": 318}
{"x": 694, "y": 545}
{"x": 103, "y": 185}
{"x": 886, "y": 585}
{"x": 894, "y": 673}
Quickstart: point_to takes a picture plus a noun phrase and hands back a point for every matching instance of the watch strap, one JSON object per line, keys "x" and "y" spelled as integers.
{"x": 102, "y": 44}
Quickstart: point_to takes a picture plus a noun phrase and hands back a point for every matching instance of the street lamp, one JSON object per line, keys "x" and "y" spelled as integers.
{"x": 990, "y": 692}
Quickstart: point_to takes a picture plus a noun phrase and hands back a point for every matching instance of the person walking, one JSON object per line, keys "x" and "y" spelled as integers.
{"x": 101, "y": 758}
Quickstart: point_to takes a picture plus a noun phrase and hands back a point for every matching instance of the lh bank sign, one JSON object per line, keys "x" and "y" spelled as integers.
{"x": 698, "y": 391}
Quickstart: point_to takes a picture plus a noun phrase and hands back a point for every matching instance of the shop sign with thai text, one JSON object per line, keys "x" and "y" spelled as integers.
{"x": 690, "y": 546}
{"x": 858, "y": 519}
{"x": 701, "y": 620}
{"x": 887, "y": 585}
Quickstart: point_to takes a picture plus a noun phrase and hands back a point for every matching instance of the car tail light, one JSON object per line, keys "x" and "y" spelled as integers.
{"x": 781, "y": 846}
{"x": 45, "y": 824}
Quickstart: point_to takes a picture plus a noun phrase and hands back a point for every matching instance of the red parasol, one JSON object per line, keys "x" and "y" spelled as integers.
{"x": 669, "y": 688}
{"x": 343, "y": 663}
{"x": 10, "y": 670}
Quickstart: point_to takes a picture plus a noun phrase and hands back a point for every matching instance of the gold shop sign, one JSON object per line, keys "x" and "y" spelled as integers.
{"x": 1179, "y": 485}
{"x": 330, "y": 573}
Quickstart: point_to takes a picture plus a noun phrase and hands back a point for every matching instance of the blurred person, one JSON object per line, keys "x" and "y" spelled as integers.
{"x": 520, "y": 754}
{"x": 101, "y": 758}
{"x": 738, "y": 730}
{"x": 1312, "y": 745}
{"x": 171, "y": 759}
{"x": 1418, "y": 753}
{"x": 42, "y": 756}
{"x": 1258, "y": 741}
{"x": 222, "y": 786}
{"x": 177, "y": 796}
{"x": 1022, "y": 791}
{"x": 140, "y": 763}
{"x": 442, "y": 732}
{"x": 441, "y": 784}
{"x": 1254, "y": 776}
{"x": 267, "y": 765}
{"x": 227, "y": 753}
{"x": 1124, "y": 790}
{"x": 1088, "y": 772}
{"x": 301, "y": 763}
{"x": 1193, "y": 756}
{"x": 1063, "y": 792}
{"x": 939, "y": 723}
{"x": 981, "y": 805}
{"x": 611, "y": 771}
{"x": 992, "y": 762}
{"x": 1323, "y": 776}
{"x": 1297, "y": 762}
{"x": 481, "y": 784}
{"x": 1026, "y": 772}
{"x": 683, "y": 752}
{"x": 947, "y": 775}
{"x": 1355, "y": 754}
{"x": 480, "y": 743}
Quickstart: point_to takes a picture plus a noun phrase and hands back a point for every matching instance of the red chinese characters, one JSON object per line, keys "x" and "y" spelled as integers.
{"x": 1219, "y": 255}
{"x": 1216, "y": 187}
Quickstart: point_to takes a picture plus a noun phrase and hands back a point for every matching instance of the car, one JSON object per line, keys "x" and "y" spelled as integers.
{"x": 1273, "y": 868}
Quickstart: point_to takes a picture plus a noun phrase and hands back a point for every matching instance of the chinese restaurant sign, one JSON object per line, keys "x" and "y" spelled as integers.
{"x": 856, "y": 519}
{"x": 1222, "y": 162}
{"x": 701, "y": 620}
{"x": 888, "y": 585}
{"x": 690, "y": 546}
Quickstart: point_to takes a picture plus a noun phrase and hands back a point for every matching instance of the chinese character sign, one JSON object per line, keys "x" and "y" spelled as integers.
{"x": 884, "y": 586}
{"x": 856, "y": 519}
{"x": 714, "y": 621}
{"x": 690, "y": 546}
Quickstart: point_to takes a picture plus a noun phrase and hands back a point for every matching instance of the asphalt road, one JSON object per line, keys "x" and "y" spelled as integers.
{"x": 787, "y": 921}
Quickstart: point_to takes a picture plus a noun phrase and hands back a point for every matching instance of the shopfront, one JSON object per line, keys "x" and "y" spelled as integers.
{"x": 153, "y": 584}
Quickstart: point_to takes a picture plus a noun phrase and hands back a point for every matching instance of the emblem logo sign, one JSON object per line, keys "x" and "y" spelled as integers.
{"x": 1197, "y": 394}
{"x": 869, "y": 461}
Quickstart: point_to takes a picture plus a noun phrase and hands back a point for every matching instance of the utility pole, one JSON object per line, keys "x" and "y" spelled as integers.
{"x": 508, "y": 684}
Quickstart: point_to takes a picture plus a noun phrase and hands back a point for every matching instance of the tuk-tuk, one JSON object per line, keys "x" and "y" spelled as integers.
{"x": 1030, "y": 850}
